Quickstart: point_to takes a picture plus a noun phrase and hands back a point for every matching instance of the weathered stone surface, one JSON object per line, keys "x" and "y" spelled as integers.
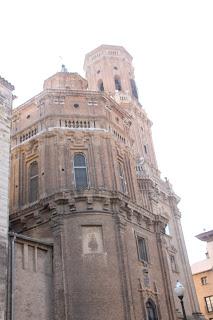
{"x": 5, "y": 123}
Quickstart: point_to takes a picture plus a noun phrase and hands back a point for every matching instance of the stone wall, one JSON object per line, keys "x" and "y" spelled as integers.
{"x": 5, "y": 118}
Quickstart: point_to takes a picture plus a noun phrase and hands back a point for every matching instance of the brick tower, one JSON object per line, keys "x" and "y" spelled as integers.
{"x": 87, "y": 199}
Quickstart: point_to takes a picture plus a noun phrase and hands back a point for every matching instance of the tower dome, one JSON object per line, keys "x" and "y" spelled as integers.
{"x": 65, "y": 80}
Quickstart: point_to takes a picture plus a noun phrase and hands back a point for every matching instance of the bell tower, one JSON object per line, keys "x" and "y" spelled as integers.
{"x": 109, "y": 68}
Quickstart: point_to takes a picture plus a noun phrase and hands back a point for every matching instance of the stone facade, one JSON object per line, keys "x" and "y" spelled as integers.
{"x": 5, "y": 118}
{"x": 85, "y": 179}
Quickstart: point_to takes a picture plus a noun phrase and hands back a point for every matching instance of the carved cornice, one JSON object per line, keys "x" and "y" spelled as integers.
{"x": 6, "y": 84}
{"x": 67, "y": 203}
{"x": 89, "y": 95}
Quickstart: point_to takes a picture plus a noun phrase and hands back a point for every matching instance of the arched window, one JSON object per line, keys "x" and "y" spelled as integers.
{"x": 134, "y": 88}
{"x": 100, "y": 85}
{"x": 151, "y": 310}
{"x": 33, "y": 181}
{"x": 80, "y": 171}
{"x": 117, "y": 83}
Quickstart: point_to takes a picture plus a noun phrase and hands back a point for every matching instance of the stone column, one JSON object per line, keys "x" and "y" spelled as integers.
{"x": 5, "y": 120}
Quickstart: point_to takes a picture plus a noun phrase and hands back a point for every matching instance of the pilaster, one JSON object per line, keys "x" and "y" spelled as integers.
{"x": 60, "y": 300}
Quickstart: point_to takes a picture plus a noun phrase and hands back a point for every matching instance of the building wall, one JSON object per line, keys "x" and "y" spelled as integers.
{"x": 5, "y": 118}
{"x": 203, "y": 276}
{"x": 204, "y": 290}
{"x": 30, "y": 279}
{"x": 95, "y": 230}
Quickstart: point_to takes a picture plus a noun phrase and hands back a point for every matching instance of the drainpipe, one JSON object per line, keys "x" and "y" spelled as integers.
{"x": 12, "y": 274}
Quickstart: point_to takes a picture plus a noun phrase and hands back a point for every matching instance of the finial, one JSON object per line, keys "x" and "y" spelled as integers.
{"x": 63, "y": 68}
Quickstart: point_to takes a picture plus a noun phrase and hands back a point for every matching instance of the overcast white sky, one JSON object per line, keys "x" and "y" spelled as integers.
{"x": 171, "y": 43}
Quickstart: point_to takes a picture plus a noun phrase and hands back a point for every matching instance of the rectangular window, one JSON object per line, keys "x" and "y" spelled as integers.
{"x": 203, "y": 281}
{"x": 173, "y": 263}
{"x": 209, "y": 303}
{"x": 122, "y": 178}
{"x": 142, "y": 249}
{"x": 33, "y": 181}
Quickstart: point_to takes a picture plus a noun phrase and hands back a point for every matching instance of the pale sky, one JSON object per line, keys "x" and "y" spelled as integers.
{"x": 171, "y": 45}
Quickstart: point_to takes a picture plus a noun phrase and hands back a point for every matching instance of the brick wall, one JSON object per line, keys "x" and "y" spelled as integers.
{"x": 30, "y": 279}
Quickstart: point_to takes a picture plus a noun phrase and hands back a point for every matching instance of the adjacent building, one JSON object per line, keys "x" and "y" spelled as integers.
{"x": 95, "y": 232}
{"x": 6, "y": 98}
{"x": 203, "y": 277}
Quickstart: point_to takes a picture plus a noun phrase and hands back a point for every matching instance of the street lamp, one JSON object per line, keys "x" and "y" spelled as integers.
{"x": 179, "y": 290}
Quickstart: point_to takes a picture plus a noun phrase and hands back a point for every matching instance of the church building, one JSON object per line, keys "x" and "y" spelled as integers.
{"x": 95, "y": 233}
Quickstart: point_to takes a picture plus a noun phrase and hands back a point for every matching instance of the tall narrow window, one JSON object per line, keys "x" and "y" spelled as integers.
{"x": 167, "y": 231}
{"x": 151, "y": 310}
{"x": 142, "y": 249}
{"x": 173, "y": 263}
{"x": 33, "y": 181}
{"x": 100, "y": 85}
{"x": 134, "y": 88}
{"x": 117, "y": 83}
{"x": 122, "y": 178}
{"x": 80, "y": 171}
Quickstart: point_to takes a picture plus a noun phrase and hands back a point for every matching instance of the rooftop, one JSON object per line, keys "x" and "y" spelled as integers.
{"x": 6, "y": 84}
{"x": 202, "y": 266}
{"x": 206, "y": 236}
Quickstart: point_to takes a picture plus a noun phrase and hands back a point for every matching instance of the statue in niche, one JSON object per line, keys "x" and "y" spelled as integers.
{"x": 92, "y": 243}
